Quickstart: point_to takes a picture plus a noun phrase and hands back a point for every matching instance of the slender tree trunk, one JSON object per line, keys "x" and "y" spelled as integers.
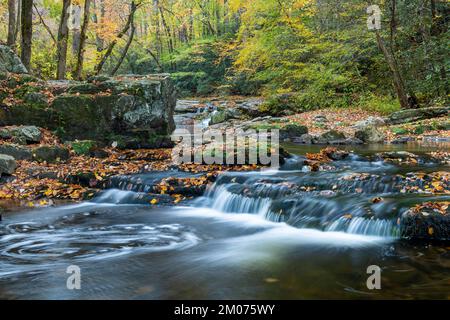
{"x": 83, "y": 33}
{"x": 97, "y": 20}
{"x": 167, "y": 29}
{"x": 398, "y": 79}
{"x": 122, "y": 33}
{"x": 63, "y": 37}
{"x": 393, "y": 24}
{"x": 12, "y": 24}
{"x": 18, "y": 22}
{"x": 130, "y": 40}
{"x": 27, "y": 32}
{"x": 46, "y": 27}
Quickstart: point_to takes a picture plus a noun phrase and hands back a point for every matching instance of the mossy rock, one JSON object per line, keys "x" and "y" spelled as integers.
{"x": 50, "y": 154}
{"x": 16, "y": 151}
{"x": 293, "y": 131}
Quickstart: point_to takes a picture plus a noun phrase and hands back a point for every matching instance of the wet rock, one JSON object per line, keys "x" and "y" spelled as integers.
{"x": 370, "y": 134}
{"x": 429, "y": 222}
{"x": 336, "y": 154}
{"x": 397, "y": 155}
{"x": 412, "y": 115}
{"x": 329, "y": 136}
{"x": 10, "y": 62}
{"x": 292, "y": 131}
{"x": 22, "y": 134}
{"x": 7, "y": 164}
{"x": 403, "y": 140}
{"x": 50, "y": 154}
{"x": 16, "y": 151}
{"x": 304, "y": 139}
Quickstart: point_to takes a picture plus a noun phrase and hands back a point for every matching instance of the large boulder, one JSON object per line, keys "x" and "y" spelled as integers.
{"x": 10, "y": 62}
{"x": 370, "y": 134}
{"x": 137, "y": 108}
{"x": 7, "y": 164}
{"x": 429, "y": 221}
{"x": 412, "y": 115}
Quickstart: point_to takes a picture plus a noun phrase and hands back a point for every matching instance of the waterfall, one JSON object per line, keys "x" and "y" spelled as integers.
{"x": 225, "y": 201}
{"x": 326, "y": 211}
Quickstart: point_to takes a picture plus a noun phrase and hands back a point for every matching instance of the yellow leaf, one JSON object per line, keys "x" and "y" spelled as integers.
{"x": 430, "y": 231}
{"x": 154, "y": 201}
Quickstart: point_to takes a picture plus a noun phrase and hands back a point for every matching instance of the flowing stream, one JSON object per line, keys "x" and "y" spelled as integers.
{"x": 275, "y": 234}
{"x": 257, "y": 235}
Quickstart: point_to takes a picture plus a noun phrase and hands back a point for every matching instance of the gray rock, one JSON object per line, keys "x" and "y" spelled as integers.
{"x": 22, "y": 134}
{"x": 370, "y": 134}
{"x": 304, "y": 139}
{"x": 141, "y": 107}
{"x": 7, "y": 164}
{"x": 370, "y": 122}
{"x": 10, "y": 62}
{"x": 16, "y": 151}
{"x": 251, "y": 107}
{"x": 329, "y": 136}
{"x": 402, "y": 155}
{"x": 320, "y": 119}
{"x": 50, "y": 154}
{"x": 292, "y": 131}
{"x": 407, "y": 116}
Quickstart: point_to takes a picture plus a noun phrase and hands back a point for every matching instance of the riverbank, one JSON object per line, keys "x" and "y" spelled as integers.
{"x": 46, "y": 170}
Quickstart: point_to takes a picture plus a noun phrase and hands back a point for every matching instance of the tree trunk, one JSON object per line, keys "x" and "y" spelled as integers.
{"x": 63, "y": 37}
{"x": 18, "y": 22}
{"x": 398, "y": 79}
{"x": 167, "y": 29}
{"x": 393, "y": 24}
{"x": 12, "y": 24}
{"x": 130, "y": 40}
{"x": 84, "y": 28}
{"x": 123, "y": 32}
{"x": 27, "y": 32}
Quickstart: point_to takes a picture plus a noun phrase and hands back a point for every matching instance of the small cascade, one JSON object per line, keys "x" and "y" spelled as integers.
{"x": 225, "y": 201}
{"x": 368, "y": 227}
{"x": 283, "y": 197}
